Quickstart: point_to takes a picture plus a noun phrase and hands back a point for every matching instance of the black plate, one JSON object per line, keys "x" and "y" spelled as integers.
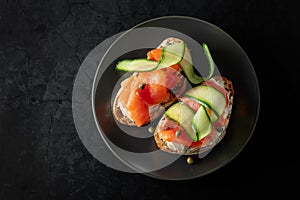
{"x": 135, "y": 146}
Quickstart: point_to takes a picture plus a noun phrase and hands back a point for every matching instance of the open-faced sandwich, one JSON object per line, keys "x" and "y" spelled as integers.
{"x": 199, "y": 120}
{"x": 144, "y": 95}
{"x": 192, "y": 120}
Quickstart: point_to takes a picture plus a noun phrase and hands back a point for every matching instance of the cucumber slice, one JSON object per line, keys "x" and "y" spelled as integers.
{"x": 211, "y": 62}
{"x": 208, "y": 96}
{"x": 213, "y": 117}
{"x": 201, "y": 123}
{"x": 171, "y": 55}
{"x": 183, "y": 115}
{"x": 186, "y": 65}
{"x": 136, "y": 65}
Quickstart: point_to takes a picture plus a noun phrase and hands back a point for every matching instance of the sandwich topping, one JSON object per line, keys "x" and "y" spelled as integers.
{"x": 147, "y": 91}
{"x": 208, "y": 131}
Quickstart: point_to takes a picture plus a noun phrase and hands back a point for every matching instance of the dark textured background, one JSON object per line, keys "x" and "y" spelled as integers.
{"x": 43, "y": 43}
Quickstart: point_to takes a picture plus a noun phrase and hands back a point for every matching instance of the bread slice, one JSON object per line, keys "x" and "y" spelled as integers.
{"x": 176, "y": 148}
{"x": 156, "y": 111}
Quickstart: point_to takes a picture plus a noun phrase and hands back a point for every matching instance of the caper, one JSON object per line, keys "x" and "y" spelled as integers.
{"x": 151, "y": 129}
{"x": 142, "y": 86}
{"x": 190, "y": 160}
{"x": 178, "y": 133}
{"x": 219, "y": 128}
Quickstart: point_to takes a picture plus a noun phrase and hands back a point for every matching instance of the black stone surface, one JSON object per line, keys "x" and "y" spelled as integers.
{"x": 43, "y": 43}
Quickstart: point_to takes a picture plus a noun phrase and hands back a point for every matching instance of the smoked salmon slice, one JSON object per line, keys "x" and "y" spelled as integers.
{"x": 138, "y": 110}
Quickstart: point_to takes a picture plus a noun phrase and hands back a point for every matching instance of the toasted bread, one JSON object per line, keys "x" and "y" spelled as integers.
{"x": 176, "y": 148}
{"x": 156, "y": 110}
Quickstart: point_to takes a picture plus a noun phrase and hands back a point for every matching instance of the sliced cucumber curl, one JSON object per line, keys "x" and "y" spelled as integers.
{"x": 177, "y": 53}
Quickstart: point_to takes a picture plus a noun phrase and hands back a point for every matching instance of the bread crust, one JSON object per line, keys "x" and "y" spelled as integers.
{"x": 158, "y": 110}
{"x": 183, "y": 150}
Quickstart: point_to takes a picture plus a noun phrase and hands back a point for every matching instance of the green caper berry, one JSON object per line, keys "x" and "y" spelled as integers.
{"x": 190, "y": 160}
{"x": 178, "y": 133}
{"x": 151, "y": 129}
{"x": 219, "y": 128}
{"x": 142, "y": 86}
